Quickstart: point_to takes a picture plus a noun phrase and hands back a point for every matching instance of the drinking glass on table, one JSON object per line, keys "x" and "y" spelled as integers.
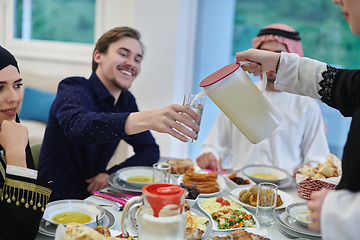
{"x": 161, "y": 173}
{"x": 225, "y": 163}
{"x": 266, "y": 203}
{"x": 197, "y": 105}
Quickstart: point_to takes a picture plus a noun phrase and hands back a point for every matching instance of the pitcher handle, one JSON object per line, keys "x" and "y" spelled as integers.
{"x": 264, "y": 83}
{"x": 131, "y": 202}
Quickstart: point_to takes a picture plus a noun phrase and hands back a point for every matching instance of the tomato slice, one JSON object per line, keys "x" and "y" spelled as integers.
{"x": 219, "y": 199}
{"x": 225, "y": 203}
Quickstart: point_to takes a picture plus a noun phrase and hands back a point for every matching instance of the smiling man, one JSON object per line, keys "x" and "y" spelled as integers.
{"x": 90, "y": 116}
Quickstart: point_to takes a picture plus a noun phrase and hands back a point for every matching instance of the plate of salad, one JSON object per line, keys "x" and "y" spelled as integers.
{"x": 226, "y": 214}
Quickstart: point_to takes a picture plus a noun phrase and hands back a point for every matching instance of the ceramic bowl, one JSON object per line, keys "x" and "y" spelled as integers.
{"x": 72, "y": 205}
{"x": 125, "y": 173}
{"x": 191, "y": 202}
{"x": 299, "y": 212}
{"x": 250, "y": 170}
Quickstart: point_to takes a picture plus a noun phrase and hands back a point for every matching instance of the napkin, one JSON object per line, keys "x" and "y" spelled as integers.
{"x": 118, "y": 199}
{"x": 60, "y": 232}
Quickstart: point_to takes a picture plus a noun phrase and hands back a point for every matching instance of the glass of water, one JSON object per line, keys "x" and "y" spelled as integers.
{"x": 161, "y": 173}
{"x": 266, "y": 204}
{"x": 197, "y": 105}
{"x": 225, "y": 162}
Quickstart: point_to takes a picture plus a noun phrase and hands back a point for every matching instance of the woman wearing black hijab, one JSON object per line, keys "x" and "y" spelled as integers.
{"x": 23, "y": 197}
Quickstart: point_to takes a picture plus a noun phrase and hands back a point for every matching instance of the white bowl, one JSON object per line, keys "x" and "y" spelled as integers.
{"x": 127, "y": 172}
{"x": 232, "y": 185}
{"x": 253, "y": 169}
{"x": 298, "y": 211}
{"x": 71, "y": 205}
{"x": 191, "y": 202}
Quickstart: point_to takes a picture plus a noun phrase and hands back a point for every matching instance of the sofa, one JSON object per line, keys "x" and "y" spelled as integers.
{"x": 39, "y": 93}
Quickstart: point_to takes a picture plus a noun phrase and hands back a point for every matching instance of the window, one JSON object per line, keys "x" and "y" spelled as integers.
{"x": 55, "y": 20}
{"x": 51, "y": 30}
{"x": 324, "y": 33}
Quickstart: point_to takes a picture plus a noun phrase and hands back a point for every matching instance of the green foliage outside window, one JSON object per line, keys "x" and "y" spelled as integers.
{"x": 59, "y": 20}
{"x": 324, "y": 33}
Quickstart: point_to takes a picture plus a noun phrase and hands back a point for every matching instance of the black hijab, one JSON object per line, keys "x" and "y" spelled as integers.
{"x": 6, "y": 59}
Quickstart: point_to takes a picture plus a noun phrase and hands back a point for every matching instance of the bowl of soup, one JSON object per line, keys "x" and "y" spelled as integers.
{"x": 71, "y": 210}
{"x": 300, "y": 212}
{"x": 262, "y": 173}
{"x": 136, "y": 176}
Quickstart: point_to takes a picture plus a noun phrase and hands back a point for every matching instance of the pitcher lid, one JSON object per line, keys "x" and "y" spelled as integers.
{"x": 161, "y": 194}
{"x": 219, "y": 74}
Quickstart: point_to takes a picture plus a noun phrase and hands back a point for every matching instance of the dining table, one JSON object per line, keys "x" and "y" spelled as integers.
{"x": 272, "y": 232}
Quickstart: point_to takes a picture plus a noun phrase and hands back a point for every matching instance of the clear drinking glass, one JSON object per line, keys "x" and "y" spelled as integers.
{"x": 161, "y": 173}
{"x": 266, "y": 203}
{"x": 197, "y": 105}
{"x": 225, "y": 162}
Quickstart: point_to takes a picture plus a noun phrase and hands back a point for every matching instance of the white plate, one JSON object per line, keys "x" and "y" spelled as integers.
{"x": 252, "y": 169}
{"x": 220, "y": 180}
{"x": 117, "y": 183}
{"x": 214, "y": 223}
{"x": 125, "y": 173}
{"x": 208, "y": 224}
{"x": 286, "y": 198}
{"x": 290, "y": 223}
{"x": 49, "y": 229}
{"x": 231, "y": 184}
{"x": 71, "y": 205}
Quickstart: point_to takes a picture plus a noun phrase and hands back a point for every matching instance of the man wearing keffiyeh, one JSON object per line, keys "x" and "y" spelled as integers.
{"x": 300, "y": 139}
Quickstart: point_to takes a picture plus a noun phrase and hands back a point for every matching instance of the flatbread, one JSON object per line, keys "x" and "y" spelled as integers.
{"x": 331, "y": 167}
{"x": 308, "y": 171}
{"x": 76, "y": 231}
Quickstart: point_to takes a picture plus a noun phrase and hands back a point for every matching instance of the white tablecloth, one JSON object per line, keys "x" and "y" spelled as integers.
{"x": 274, "y": 234}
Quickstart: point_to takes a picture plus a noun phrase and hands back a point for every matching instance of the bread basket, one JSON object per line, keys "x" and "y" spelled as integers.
{"x": 306, "y": 185}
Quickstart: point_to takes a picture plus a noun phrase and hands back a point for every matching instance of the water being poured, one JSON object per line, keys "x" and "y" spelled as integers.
{"x": 200, "y": 94}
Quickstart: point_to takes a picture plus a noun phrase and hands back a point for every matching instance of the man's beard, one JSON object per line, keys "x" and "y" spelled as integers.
{"x": 272, "y": 79}
{"x": 119, "y": 86}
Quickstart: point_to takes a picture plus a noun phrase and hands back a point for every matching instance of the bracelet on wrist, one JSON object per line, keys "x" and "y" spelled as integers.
{"x": 277, "y": 64}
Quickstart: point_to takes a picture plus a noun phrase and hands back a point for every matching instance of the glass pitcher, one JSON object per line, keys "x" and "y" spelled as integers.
{"x": 162, "y": 213}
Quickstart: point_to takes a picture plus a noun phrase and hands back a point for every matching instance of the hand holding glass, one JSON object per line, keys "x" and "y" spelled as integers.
{"x": 197, "y": 105}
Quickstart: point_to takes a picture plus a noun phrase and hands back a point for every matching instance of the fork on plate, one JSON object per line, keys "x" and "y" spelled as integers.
{"x": 119, "y": 207}
{"x": 283, "y": 232}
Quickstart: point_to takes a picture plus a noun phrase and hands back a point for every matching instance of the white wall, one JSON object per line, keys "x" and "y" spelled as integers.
{"x": 168, "y": 33}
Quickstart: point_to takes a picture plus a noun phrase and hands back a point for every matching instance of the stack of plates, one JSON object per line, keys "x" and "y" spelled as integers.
{"x": 293, "y": 218}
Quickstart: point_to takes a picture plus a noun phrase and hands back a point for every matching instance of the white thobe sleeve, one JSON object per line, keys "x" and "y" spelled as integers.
{"x": 299, "y": 75}
{"x": 340, "y": 215}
